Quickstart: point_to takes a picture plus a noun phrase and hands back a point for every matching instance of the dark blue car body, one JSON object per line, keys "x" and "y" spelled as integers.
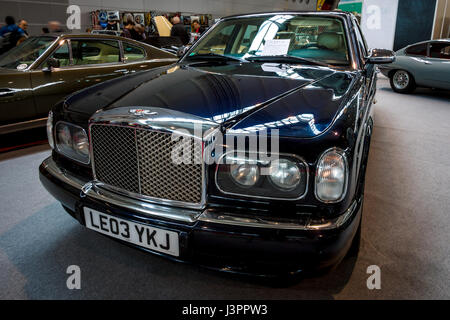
{"x": 334, "y": 108}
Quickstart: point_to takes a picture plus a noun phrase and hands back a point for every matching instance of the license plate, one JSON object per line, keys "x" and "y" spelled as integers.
{"x": 140, "y": 234}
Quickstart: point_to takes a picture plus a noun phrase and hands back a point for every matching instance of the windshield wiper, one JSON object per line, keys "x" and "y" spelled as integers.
{"x": 287, "y": 59}
{"x": 212, "y": 56}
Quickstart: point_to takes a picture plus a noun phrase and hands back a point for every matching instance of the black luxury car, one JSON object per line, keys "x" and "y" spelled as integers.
{"x": 166, "y": 160}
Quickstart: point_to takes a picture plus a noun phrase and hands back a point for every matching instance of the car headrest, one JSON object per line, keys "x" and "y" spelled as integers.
{"x": 330, "y": 40}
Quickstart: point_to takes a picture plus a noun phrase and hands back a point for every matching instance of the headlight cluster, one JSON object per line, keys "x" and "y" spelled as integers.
{"x": 331, "y": 176}
{"x": 72, "y": 141}
{"x": 282, "y": 178}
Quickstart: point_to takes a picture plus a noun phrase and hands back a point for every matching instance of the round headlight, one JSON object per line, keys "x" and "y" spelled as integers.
{"x": 285, "y": 174}
{"x": 64, "y": 136}
{"x": 81, "y": 143}
{"x": 245, "y": 174}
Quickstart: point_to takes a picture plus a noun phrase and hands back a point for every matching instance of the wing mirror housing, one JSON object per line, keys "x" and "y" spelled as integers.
{"x": 51, "y": 63}
{"x": 182, "y": 50}
{"x": 381, "y": 56}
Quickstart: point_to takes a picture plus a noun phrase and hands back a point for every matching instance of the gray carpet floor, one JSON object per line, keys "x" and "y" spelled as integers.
{"x": 405, "y": 228}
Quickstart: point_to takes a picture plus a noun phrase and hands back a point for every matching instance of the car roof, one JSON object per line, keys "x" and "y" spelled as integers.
{"x": 91, "y": 35}
{"x": 103, "y": 36}
{"x": 318, "y": 13}
{"x": 427, "y": 41}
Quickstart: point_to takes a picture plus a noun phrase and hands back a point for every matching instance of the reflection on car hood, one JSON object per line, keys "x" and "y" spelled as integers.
{"x": 300, "y": 101}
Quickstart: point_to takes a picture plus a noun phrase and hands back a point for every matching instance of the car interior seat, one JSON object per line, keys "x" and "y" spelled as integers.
{"x": 331, "y": 41}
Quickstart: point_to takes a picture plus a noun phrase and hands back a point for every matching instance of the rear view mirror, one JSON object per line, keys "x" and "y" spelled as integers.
{"x": 381, "y": 56}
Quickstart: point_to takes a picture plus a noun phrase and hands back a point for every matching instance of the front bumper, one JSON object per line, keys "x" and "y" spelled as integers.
{"x": 213, "y": 238}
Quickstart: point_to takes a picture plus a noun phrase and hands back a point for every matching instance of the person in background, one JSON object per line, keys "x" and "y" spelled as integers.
{"x": 55, "y": 27}
{"x": 112, "y": 25}
{"x": 128, "y": 25}
{"x": 197, "y": 28}
{"x": 178, "y": 30}
{"x": 23, "y": 24}
{"x": 140, "y": 29}
{"x": 10, "y": 35}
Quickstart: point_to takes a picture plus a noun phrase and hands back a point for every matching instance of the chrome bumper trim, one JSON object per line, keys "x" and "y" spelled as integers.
{"x": 311, "y": 224}
{"x": 94, "y": 190}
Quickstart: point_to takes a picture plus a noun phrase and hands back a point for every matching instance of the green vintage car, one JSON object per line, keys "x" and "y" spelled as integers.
{"x": 44, "y": 69}
{"x": 423, "y": 64}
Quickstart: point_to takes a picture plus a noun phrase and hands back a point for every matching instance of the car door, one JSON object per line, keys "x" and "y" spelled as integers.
{"x": 16, "y": 99}
{"x": 437, "y": 71}
{"x": 83, "y": 63}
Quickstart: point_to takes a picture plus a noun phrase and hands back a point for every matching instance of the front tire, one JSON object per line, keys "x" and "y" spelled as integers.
{"x": 402, "y": 81}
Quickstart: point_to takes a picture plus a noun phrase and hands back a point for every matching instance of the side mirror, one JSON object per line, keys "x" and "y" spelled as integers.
{"x": 381, "y": 56}
{"x": 52, "y": 63}
{"x": 182, "y": 50}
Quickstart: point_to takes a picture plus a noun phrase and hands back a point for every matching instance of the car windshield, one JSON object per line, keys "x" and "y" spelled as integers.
{"x": 26, "y": 53}
{"x": 314, "y": 38}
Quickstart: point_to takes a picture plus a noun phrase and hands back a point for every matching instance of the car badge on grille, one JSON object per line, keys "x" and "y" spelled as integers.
{"x": 142, "y": 112}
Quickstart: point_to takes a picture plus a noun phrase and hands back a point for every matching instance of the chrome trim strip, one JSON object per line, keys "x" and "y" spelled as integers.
{"x": 24, "y": 125}
{"x": 211, "y": 217}
{"x": 90, "y": 189}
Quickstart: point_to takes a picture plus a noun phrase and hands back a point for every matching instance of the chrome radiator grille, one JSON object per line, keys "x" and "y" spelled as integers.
{"x": 139, "y": 161}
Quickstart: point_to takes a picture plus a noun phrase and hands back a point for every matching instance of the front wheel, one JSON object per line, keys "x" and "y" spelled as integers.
{"x": 402, "y": 81}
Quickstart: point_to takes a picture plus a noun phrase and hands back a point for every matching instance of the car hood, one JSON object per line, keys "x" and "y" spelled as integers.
{"x": 300, "y": 101}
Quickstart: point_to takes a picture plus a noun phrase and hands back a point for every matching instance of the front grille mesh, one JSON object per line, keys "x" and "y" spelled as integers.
{"x": 139, "y": 161}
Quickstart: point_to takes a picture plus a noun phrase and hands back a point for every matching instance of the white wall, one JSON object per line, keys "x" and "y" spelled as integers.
{"x": 378, "y": 22}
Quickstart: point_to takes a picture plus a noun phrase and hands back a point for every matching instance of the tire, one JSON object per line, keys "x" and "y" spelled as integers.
{"x": 402, "y": 81}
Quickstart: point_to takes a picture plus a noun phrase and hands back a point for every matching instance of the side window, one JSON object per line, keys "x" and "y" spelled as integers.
{"x": 361, "y": 41}
{"x": 132, "y": 52}
{"x": 440, "y": 51}
{"x": 417, "y": 50}
{"x": 61, "y": 54}
{"x": 85, "y": 52}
